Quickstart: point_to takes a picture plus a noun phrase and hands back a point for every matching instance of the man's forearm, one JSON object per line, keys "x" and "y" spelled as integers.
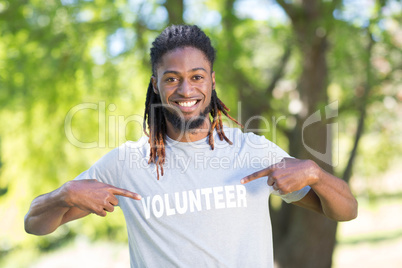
{"x": 46, "y": 213}
{"x": 336, "y": 199}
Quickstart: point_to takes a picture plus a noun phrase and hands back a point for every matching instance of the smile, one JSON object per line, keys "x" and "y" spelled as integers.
{"x": 187, "y": 103}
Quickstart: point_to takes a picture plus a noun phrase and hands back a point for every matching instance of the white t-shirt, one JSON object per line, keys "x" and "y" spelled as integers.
{"x": 197, "y": 214}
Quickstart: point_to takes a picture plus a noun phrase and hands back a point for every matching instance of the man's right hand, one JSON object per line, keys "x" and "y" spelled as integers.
{"x": 73, "y": 200}
{"x": 93, "y": 196}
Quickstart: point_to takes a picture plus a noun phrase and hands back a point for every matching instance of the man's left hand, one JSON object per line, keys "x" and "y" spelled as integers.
{"x": 288, "y": 175}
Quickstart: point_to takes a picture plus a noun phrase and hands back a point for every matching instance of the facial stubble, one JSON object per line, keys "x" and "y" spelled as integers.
{"x": 177, "y": 120}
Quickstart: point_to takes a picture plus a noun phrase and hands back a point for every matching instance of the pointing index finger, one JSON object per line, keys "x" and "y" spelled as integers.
{"x": 126, "y": 193}
{"x": 262, "y": 173}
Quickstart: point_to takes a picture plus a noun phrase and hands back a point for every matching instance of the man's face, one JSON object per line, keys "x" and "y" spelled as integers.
{"x": 184, "y": 81}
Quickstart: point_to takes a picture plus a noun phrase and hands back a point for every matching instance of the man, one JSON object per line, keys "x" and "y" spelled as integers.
{"x": 190, "y": 191}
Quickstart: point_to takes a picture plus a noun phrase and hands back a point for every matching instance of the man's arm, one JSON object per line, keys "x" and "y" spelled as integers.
{"x": 73, "y": 200}
{"x": 330, "y": 195}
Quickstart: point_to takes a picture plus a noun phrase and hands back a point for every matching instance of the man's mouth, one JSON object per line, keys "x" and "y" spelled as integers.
{"x": 186, "y": 103}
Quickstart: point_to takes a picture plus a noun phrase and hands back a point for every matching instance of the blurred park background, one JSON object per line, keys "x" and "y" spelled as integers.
{"x": 74, "y": 72}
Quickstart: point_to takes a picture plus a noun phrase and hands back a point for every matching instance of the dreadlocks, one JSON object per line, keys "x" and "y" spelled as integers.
{"x": 173, "y": 37}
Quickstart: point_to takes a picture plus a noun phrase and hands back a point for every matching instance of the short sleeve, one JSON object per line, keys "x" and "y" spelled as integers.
{"x": 295, "y": 196}
{"x": 266, "y": 150}
{"x": 107, "y": 169}
{"x": 276, "y": 155}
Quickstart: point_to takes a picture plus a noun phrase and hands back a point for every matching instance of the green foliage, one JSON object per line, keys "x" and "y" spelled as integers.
{"x": 54, "y": 57}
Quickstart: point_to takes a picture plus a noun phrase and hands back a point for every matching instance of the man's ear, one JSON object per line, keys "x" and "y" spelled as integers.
{"x": 213, "y": 80}
{"x": 155, "y": 84}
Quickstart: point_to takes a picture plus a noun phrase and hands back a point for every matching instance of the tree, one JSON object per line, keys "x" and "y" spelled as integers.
{"x": 302, "y": 238}
{"x": 312, "y": 22}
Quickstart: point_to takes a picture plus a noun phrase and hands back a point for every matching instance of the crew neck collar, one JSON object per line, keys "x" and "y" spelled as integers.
{"x": 202, "y": 141}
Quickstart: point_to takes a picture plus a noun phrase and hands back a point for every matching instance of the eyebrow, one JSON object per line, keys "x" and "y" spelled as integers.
{"x": 192, "y": 70}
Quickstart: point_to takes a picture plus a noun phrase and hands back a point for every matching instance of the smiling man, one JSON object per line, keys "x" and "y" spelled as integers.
{"x": 184, "y": 81}
{"x": 200, "y": 199}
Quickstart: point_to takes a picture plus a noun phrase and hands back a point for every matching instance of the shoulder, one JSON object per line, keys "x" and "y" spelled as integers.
{"x": 236, "y": 135}
{"x": 257, "y": 144}
{"x": 141, "y": 143}
{"x": 123, "y": 152}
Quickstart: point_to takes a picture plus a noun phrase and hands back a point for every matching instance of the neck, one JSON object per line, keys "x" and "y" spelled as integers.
{"x": 189, "y": 135}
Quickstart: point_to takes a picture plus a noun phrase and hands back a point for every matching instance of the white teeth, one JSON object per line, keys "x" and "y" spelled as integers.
{"x": 187, "y": 103}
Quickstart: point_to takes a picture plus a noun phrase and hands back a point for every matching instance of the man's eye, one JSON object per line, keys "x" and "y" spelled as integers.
{"x": 171, "y": 79}
{"x": 198, "y": 77}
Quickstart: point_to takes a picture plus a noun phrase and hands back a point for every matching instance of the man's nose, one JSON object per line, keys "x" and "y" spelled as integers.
{"x": 185, "y": 89}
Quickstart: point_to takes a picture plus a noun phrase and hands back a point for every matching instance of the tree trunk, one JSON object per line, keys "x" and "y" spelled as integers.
{"x": 303, "y": 238}
{"x": 362, "y": 107}
{"x": 175, "y": 9}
